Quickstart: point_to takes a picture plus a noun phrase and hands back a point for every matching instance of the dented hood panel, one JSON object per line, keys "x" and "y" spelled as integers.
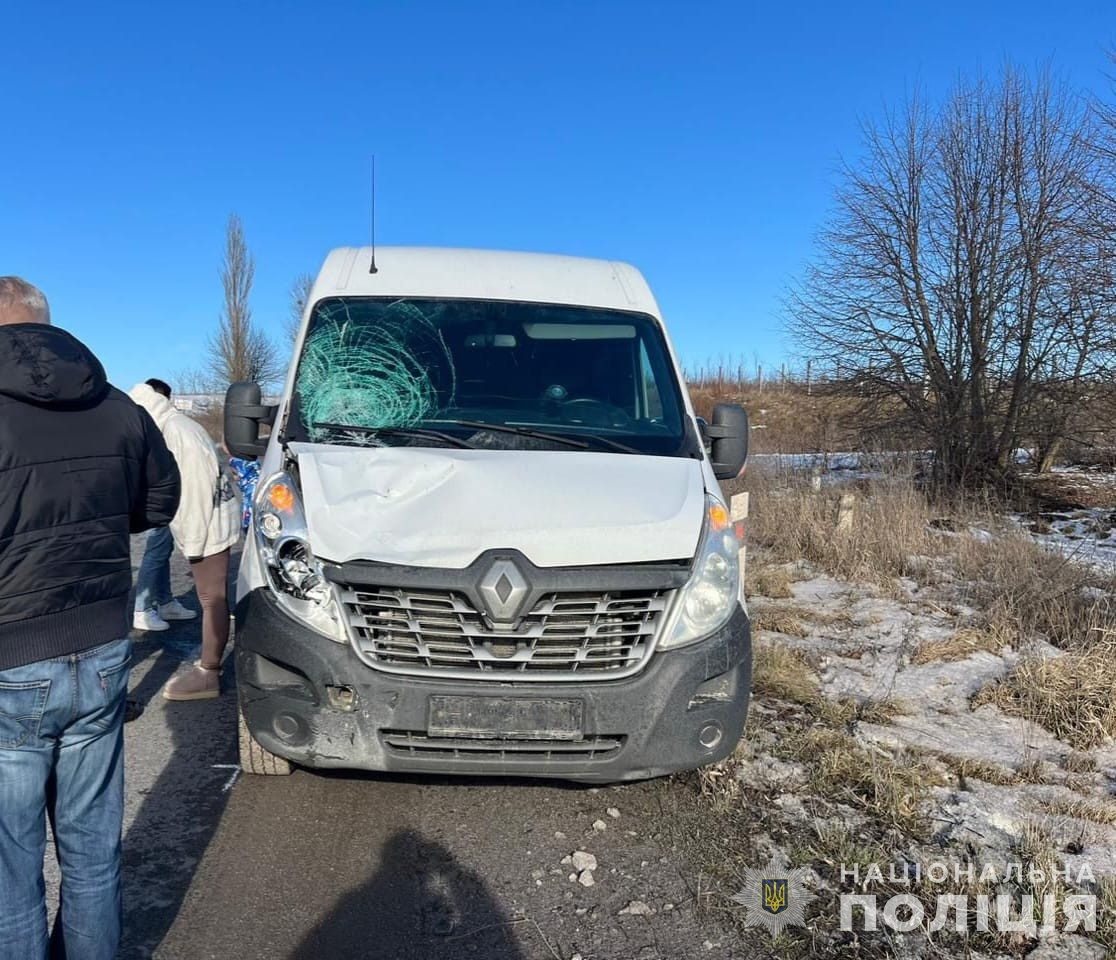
{"x": 442, "y": 508}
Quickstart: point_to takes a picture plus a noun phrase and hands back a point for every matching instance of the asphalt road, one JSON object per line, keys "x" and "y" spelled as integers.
{"x": 220, "y": 865}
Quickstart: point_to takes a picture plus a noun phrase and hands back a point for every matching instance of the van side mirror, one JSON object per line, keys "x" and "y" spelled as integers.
{"x": 728, "y": 435}
{"x": 244, "y": 412}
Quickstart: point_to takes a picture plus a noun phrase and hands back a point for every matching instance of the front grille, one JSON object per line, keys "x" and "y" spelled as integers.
{"x": 415, "y": 744}
{"x": 566, "y": 635}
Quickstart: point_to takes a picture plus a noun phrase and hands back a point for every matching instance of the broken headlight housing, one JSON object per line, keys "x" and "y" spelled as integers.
{"x": 709, "y": 599}
{"x": 292, "y": 571}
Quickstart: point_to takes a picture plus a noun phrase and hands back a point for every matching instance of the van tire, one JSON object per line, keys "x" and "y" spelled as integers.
{"x": 254, "y": 758}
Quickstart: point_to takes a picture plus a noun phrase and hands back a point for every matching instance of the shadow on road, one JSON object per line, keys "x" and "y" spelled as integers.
{"x": 453, "y": 915}
{"x": 180, "y": 755}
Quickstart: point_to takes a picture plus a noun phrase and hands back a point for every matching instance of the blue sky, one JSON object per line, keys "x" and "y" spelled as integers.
{"x": 698, "y": 142}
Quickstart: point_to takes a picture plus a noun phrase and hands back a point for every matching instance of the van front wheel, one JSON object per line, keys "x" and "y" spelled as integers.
{"x": 254, "y": 758}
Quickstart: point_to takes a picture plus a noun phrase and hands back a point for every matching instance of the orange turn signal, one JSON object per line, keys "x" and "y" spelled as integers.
{"x": 718, "y": 518}
{"x": 281, "y": 497}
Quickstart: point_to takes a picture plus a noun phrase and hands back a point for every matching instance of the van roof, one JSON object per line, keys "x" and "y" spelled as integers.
{"x": 484, "y": 275}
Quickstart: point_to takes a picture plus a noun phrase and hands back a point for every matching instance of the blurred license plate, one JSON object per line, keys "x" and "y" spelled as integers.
{"x": 506, "y": 718}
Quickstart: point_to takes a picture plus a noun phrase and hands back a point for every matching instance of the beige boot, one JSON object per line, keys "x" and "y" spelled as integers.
{"x": 200, "y": 683}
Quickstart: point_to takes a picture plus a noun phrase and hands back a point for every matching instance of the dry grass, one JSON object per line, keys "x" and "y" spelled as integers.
{"x": 787, "y": 674}
{"x": 783, "y": 673}
{"x": 763, "y": 581}
{"x": 1059, "y": 491}
{"x": 1078, "y": 762}
{"x": 1084, "y": 808}
{"x": 786, "y": 419}
{"x": 846, "y": 711}
{"x": 718, "y": 782}
{"x": 1025, "y": 590}
{"x": 889, "y": 789}
{"x": 1039, "y": 852}
{"x": 1070, "y": 695}
{"x": 1041, "y": 875}
{"x": 1080, "y": 783}
{"x": 779, "y": 619}
{"x": 836, "y": 844}
{"x": 1106, "y": 915}
{"x": 1021, "y": 588}
{"x": 1020, "y": 591}
{"x": 971, "y": 768}
{"x": 1033, "y": 771}
{"x": 881, "y": 711}
{"x": 964, "y": 643}
{"x": 888, "y": 529}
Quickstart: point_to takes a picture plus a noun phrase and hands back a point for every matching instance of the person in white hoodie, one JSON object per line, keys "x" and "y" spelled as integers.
{"x": 205, "y": 527}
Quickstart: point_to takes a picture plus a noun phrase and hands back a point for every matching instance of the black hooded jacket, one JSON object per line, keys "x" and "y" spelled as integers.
{"x": 81, "y": 467}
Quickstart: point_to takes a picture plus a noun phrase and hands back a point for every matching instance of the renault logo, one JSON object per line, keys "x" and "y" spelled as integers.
{"x": 503, "y": 590}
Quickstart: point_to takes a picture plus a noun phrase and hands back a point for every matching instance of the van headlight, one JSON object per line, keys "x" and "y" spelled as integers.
{"x": 291, "y": 569}
{"x": 709, "y": 599}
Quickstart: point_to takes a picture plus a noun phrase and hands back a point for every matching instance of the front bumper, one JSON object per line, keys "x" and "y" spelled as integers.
{"x": 312, "y": 701}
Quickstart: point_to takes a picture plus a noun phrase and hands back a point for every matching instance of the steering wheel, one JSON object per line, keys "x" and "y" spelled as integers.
{"x": 600, "y": 414}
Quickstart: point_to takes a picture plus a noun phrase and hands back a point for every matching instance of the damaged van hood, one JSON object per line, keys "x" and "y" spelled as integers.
{"x": 442, "y": 508}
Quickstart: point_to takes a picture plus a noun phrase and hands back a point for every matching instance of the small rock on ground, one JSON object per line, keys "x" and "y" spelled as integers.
{"x": 1067, "y": 947}
{"x": 583, "y": 861}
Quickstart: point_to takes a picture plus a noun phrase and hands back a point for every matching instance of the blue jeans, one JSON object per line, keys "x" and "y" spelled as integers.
{"x": 153, "y": 582}
{"x": 62, "y": 756}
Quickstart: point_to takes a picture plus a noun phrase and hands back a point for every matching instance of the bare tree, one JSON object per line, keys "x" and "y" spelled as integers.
{"x": 239, "y": 350}
{"x": 299, "y": 296}
{"x": 193, "y": 380}
{"x": 962, "y": 280}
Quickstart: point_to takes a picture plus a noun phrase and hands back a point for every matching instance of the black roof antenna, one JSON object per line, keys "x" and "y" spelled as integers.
{"x": 372, "y": 266}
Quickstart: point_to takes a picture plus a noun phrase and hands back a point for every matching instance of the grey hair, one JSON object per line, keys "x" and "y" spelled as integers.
{"x": 20, "y": 302}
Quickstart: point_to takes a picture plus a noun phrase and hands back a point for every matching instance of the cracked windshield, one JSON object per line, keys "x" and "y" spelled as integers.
{"x": 472, "y": 373}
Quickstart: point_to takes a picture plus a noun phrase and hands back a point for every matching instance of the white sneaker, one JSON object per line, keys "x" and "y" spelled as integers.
{"x": 149, "y": 620}
{"x": 176, "y": 611}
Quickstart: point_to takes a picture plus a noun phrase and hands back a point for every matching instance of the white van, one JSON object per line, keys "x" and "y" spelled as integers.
{"x": 488, "y": 536}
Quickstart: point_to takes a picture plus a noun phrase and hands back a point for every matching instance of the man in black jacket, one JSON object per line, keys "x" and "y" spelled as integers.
{"x": 81, "y": 468}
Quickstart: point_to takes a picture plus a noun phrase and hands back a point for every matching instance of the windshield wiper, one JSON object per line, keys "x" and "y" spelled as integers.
{"x": 581, "y": 444}
{"x": 409, "y": 432}
{"x": 519, "y": 431}
{"x": 614, "y": 444}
